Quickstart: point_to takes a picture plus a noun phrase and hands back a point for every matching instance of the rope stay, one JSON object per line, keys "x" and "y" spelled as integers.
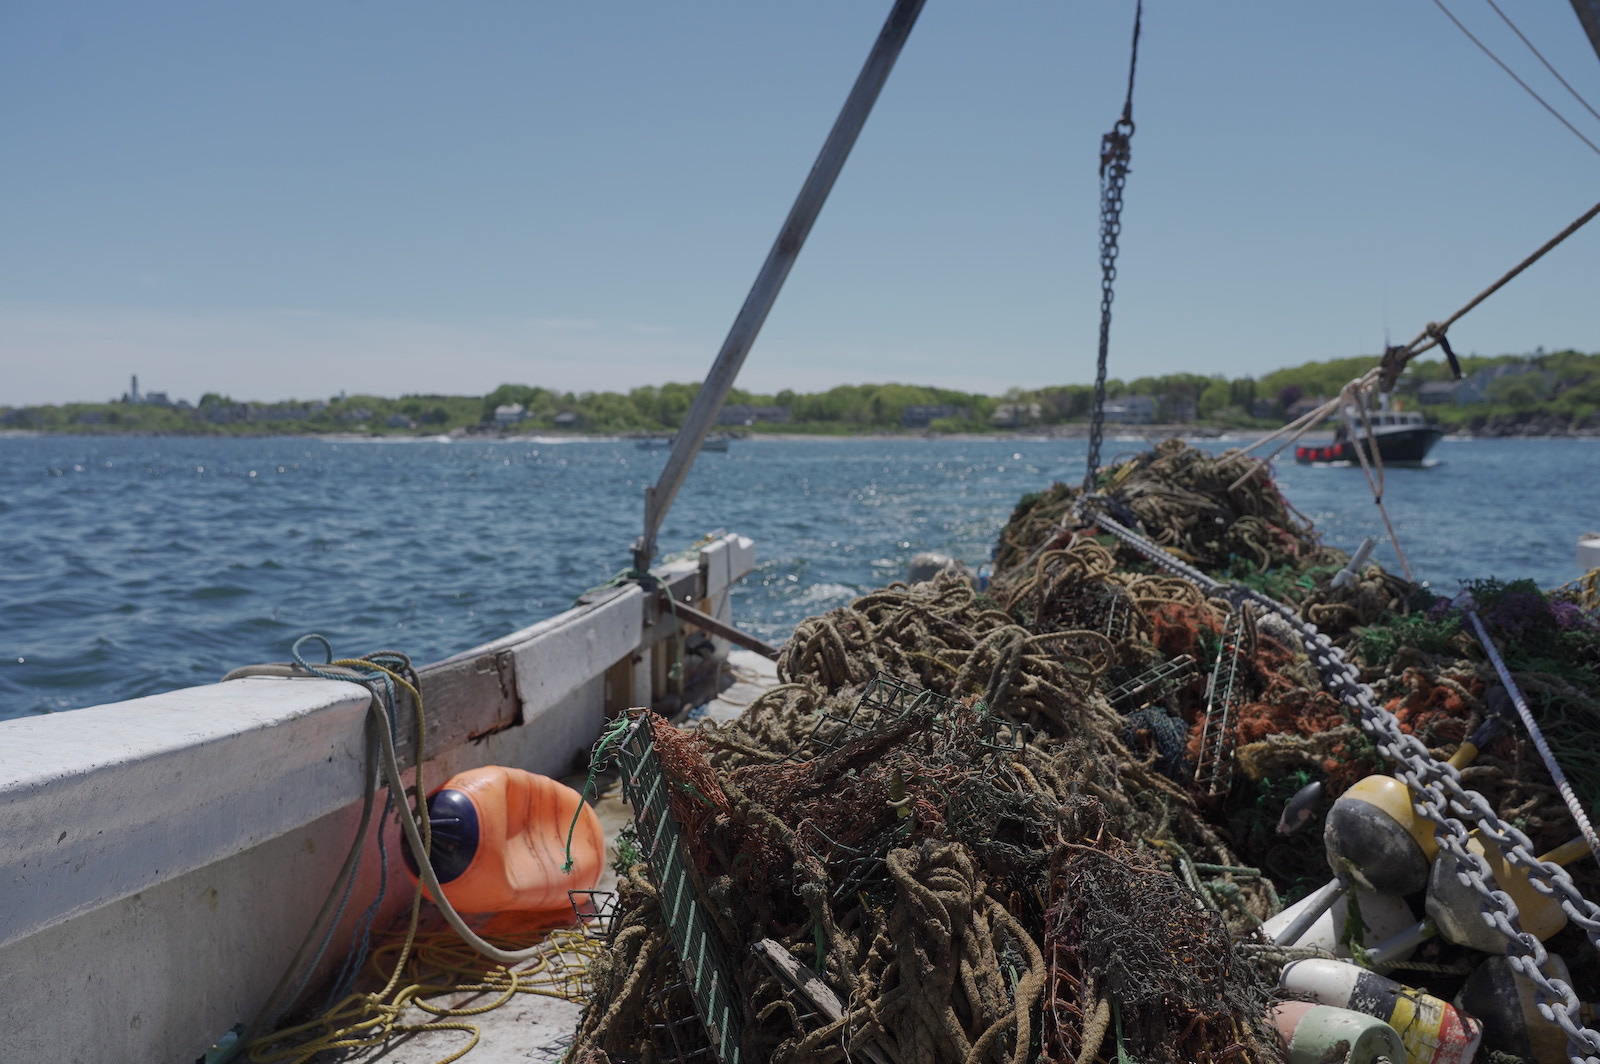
{"x": 1395, "y": 359}
{"x": 1576, "y": 95}
{"x": 1559, "y": 117}
{"x": 1114, "y": 157}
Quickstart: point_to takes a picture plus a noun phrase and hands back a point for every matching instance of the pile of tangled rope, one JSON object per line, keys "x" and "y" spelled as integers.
{"x": 1060, "y": 849}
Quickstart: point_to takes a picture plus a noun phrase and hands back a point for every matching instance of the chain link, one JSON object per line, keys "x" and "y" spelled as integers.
{"x": 1114, "y": 156}
{"x": 1437, "y": 794}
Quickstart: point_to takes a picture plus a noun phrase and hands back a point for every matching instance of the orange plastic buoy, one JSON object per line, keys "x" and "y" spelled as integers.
{"x": 499, "y": 841}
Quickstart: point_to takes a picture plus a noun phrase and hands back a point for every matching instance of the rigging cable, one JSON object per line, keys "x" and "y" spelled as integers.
{"x": 1114, "y": 155}
{"x": 1525, "y": 86}
{"x": 1540, "y": 56}
{"x": 1396, "y": 358}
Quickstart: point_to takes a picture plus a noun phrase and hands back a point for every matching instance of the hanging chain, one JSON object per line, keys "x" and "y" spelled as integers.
{"x": 1114, "y": 155}
{"x": 1437, "y": 794}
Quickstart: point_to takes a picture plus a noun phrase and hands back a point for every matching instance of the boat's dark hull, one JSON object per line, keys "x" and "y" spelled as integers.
{"x": 1405, "y": 447}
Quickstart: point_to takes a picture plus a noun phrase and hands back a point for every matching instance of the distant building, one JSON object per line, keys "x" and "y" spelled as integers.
{"x": 1180, "y": 409}
{"x": 1131, "y": 410}
{"x": 1263, "y": 408}
{"x": 920, "y": 417}
{"x": 223, "y": 413}
{"x": 745, "y": 414}
{"x": 1303, "y": 406}
{"x": 284, "y": 412}
{"x": 509, "y": 414}
{"x": 569, "y": 419}
{"x": 1437, "y": 393}
{"x": 1015, "y": 415}
{"x": 1475, "y": 389}
{"x": 400, "y": 421}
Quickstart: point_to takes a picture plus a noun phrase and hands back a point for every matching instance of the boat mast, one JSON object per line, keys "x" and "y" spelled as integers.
{"x": 764, "y": 292}
{"x": 1588, "y": 12}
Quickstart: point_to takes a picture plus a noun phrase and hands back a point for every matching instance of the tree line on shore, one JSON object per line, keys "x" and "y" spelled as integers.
{"x": 1560, "y": 388}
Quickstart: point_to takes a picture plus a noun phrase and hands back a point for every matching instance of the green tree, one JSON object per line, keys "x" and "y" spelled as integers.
{"x": 1214, "y": 397}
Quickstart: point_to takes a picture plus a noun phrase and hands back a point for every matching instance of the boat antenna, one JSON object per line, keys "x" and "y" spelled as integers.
{"x": 1114, "y": 156}
{"x": 764, "y": 292}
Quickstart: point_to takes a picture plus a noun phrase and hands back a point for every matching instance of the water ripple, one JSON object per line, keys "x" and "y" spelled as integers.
{"x": 133, "y": 566}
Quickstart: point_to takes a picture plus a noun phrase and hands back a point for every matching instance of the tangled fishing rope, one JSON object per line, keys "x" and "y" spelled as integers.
{"x": 976, "y": 817}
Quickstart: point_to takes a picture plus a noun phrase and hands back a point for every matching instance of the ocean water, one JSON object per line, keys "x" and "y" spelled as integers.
{"x": 132, "y": 566}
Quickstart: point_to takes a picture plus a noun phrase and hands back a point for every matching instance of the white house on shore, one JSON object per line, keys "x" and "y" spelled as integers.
{"x": 1131, "y": 410}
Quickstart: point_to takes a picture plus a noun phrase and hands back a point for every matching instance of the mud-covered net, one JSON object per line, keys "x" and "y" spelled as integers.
{"x": 1042, "y": 822}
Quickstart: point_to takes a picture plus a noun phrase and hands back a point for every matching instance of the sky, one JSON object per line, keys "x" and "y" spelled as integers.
{"x": 294, "y": 199}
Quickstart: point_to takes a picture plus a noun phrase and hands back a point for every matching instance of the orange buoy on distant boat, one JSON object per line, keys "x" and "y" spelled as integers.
{"x": 499, "y": 841}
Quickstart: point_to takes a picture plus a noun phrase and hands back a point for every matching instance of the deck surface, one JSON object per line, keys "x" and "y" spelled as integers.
{"x": 533, "y": 1028}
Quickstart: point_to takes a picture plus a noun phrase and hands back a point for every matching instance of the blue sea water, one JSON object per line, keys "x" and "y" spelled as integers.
{"x": 132, "y": 566}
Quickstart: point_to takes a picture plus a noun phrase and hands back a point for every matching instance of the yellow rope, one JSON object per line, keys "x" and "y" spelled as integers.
{"x": 433, "y": 965}
{"x": 369, "y": 1019}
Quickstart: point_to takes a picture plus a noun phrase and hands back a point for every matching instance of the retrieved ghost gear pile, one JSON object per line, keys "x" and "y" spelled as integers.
{"x": 1042, "y": 822}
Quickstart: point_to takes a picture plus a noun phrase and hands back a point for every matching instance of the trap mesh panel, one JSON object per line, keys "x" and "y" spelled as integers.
{"x": 1214, "y": 768}
{"x": 1152, "y": 684}
{"x": 699, "y": 950}
{"x": 885, "y": 700}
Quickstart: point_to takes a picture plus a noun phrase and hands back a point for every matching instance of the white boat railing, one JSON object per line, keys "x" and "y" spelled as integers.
{"x": 161, "y": 858}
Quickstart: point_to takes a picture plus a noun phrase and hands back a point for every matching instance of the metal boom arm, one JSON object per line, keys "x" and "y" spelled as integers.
{"x": 1588, "y": 12}
{"x": 807, "y": 205}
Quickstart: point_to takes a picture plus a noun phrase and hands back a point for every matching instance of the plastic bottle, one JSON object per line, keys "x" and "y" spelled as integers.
{"x": 499, "y": 841}
{"x": 1318, "y": 1034}
{"x": 1433, "y": 1030}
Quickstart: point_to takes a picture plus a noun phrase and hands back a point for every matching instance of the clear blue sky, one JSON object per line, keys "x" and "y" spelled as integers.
{"x": 277, "y": 200}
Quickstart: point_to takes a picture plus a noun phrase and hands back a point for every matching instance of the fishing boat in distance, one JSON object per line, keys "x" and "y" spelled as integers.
{"x": 1401, "y": 437}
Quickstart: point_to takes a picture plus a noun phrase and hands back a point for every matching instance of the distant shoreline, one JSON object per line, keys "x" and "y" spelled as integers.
{"x": 1148, "y": 433}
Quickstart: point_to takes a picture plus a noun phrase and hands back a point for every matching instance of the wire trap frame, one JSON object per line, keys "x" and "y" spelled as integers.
{"x": 886, "y": 701}
{"x": 699, "y": 949}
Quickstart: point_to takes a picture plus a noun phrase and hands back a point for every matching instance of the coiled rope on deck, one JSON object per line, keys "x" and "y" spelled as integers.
{"x": 369, "y": 1018}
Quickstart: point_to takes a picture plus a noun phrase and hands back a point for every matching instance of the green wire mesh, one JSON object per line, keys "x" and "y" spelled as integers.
{"x": 698, "y": 947}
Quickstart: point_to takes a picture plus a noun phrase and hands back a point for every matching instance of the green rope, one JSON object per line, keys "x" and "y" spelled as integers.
{"x": 622, "y": 576}
{"x": 612, "y": 736}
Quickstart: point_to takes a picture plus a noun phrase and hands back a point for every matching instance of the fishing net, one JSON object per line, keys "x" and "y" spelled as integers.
{"x": 1042, "y": 822}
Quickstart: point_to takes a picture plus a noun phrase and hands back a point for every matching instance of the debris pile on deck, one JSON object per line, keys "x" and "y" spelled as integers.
{"x": 1042, "y": 822}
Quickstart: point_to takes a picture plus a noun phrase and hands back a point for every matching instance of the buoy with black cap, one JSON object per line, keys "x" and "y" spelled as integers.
{"x": 1508, "y": 1004}
{"x": 1377, "y": 839}
{"x": 1454, "y": 906}
{"x": 499, "y": 842}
